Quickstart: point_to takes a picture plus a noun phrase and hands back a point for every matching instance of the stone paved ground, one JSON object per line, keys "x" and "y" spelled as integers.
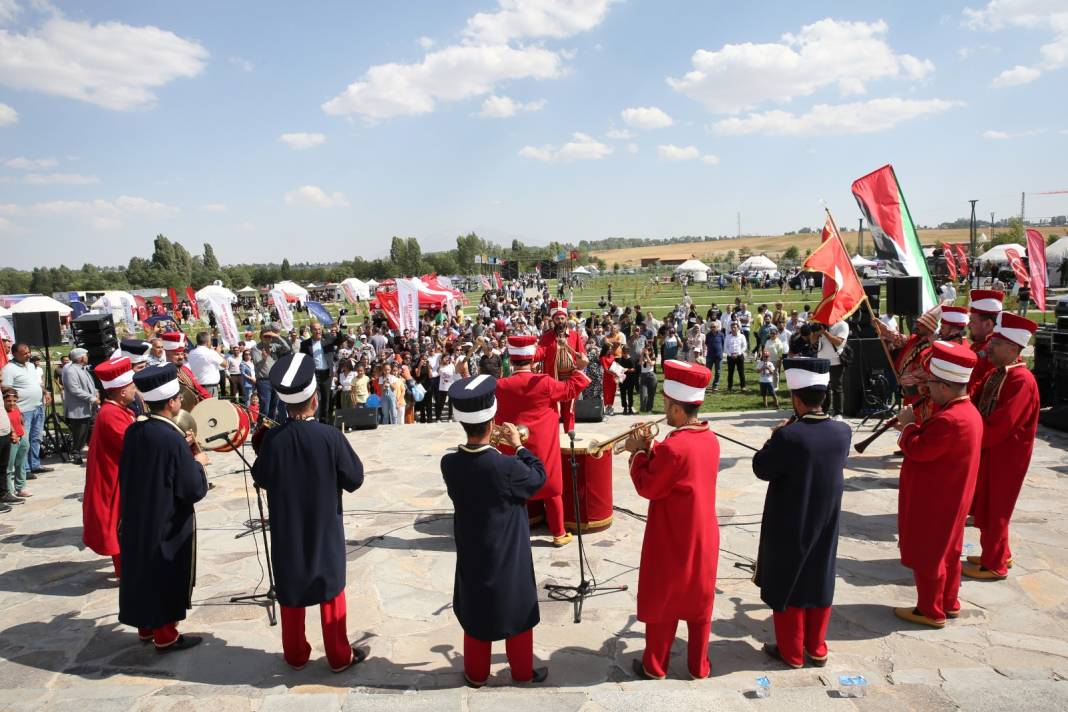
{"x": 61, "y": 647}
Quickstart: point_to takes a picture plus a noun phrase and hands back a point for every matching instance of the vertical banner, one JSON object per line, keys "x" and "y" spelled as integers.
{"x": 1016, "y": 262}
{"x": 408, "y": 304}
{"x": 498, "y": 280}
{"x": 951, "y": 262}
{"x": 1036, "y": 262}
{"x": 174, "y": 297}
{"x": 192, "y": 297}
{"x": 285, "y": 317}
{"x": 224, "y": 318}
{"x": 962, "y": 260}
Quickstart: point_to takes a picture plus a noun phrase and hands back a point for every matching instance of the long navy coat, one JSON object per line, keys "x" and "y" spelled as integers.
{"x": 803, "y": 464}
{"x": 494, "y": 594}
{"x": 303, "y": 465}
{"x": 159, "y": 482}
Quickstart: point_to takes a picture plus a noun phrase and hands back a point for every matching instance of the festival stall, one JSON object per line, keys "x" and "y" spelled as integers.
{"x": 695, "y": 270}
{"x": 121, "y": 305}
{"x": 996, "y": 254}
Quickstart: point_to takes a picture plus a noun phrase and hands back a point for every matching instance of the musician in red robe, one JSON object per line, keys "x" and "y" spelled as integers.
{"x": 954, "y": 322}
{"x": 1008, "y": 401}
{"x": 553, "y": 362}
{"x": 174, "y": 349}
{"x": 680, "y": 550}
{"x": 909, "y": 355}
{"x": 937, "y": 483}
{"x": 530, "y": 399}
{"x": 983, "y": 312}
{"x": 100, "y": 502}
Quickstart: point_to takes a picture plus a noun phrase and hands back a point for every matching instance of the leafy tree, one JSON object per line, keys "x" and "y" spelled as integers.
{"x": 41, "y": 280}
{"x": 398, "y": 251}
{"x": 413, "y": 257}
{"x": 730, "y": 256}
{"x": 791, "y": 253}
{"x": 287, "y": 271}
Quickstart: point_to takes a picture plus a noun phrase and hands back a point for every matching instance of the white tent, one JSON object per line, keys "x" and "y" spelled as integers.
{"x": 354, "y": 288}
{"x": 696, "y": 270}
{"x": 997, "y": 253}
{"x": 248, "y": 291}
{"x": 859, "y": 261}
{"x": 1055, "y": 256}
{"x": 38, "y": 303}
{"x": 757, "y": 263}
{"x": 291, "y": 289}
{"x": 215, "y": 290}
{"x": 580, "y": 270}
{"x": 120, "y": 304}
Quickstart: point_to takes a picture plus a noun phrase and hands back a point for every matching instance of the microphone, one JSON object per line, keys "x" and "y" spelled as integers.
{"x": 220, "y": 436}
{"x": 571, "y": 434}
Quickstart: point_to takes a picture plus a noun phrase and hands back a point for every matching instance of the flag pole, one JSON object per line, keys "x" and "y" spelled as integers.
{"x": 867, "y": 304}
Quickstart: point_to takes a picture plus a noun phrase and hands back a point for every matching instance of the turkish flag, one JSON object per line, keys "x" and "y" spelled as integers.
{"x": 962, "y": 260}
{"x": 951, "y": 265}
{"x": 842, "y": 291}
{"x": 1016, "y": 262}
{"x": 1036, "y": 261}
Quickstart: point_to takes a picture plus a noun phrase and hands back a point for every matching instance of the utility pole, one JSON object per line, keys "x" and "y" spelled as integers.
{"x": 1023, "y": 198}
{"x": 739, "y": 224}
{"x": 973, "y": 234}
{"x": 860, "y": 236}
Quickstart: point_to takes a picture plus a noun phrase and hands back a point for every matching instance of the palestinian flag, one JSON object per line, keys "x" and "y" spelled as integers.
{"x": 883, "y": 205}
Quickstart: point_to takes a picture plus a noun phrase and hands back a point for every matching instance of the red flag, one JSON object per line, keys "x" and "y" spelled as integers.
{"x": 1016, "y": 262}
{"x": 842, "y": 291}
{"x": 174, "y": 297}
{"x": 951, "y": 265}
{"x": 962, "y": 260}
{"x": 1036, "y": 261}
{"x": 497, "y": 278}
{"x": 158, "y": 301}
{"x": 574, "y": 254}
{"x": 192, "y": 297}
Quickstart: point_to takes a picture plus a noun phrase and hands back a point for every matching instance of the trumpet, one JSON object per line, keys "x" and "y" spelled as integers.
{"x": 618, "y": 443}
{"x": 499, "y": 432}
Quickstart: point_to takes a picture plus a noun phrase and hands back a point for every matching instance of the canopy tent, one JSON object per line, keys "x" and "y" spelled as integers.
{"x": 593, "y": 269}
{"x": 292, "y": 289}
{"x": 997, "y": 253}
{"x": 355, "y": 290}
{"x": 248, "y": 291}
{"x": 1056, "y": 254}
{"x": 859, "y": 261}
{"x": 757, "y": 263}
{"x": 696, "y": 270}
{"x": 118, "y": 303}
{"x": 372, "y": 283}
{"x": 38, "y": 303}
{"x": 580, "y": 270}
{"x": 217, "y": 291}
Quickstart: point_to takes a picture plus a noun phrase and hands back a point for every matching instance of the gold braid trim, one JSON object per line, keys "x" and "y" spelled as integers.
{"x": 991, "y": 391}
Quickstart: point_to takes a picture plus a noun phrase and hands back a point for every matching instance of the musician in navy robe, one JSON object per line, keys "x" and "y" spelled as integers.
{"x": 803, "y": 464}
{"x": 160, "y": 479}
{"x": 495, "y": 595}
{"x": 304, "y": 465}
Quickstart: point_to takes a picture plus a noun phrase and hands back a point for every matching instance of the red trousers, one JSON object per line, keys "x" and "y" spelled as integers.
{"x": 995, "y": 500}
{"x": 801, "y": 630}
{"x": 554, "y": 512}
{"x": 520, "y": 650}
{"x": 608, "y": 389}
{"x": 335, "y": 634}
{"x": 659, "y": 638}
{"x": 567, "y": 415}
{"x": 162, "y": 637}
{"x": 937, "y": 589}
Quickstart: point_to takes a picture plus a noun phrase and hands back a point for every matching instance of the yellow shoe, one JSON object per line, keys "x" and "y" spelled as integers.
{"x": 982, "y": 573}
{"x": 978, "y": 560}
{"x": 562, "y": 540}
{"x": 914, "y": 616}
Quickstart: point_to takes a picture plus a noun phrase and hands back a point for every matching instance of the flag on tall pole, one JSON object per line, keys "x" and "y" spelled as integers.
{"x": 951, "y": 262}
{"x": 1016, "y": 262}
{"x": 1036, "y": 262}
{"x": 896, "y": 242}
{"x": 842, "y": 291}
{"x": 962, "y": 260}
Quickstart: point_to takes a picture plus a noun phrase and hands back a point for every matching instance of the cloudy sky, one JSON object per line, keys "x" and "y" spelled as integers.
{"x": 317, "y": 131}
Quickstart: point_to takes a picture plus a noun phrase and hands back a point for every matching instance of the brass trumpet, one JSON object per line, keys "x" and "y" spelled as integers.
{"x": 499, "y": 432}
{"x": 618, "y": 443}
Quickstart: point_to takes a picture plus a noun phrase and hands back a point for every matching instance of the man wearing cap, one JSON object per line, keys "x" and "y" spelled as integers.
{"x": 954, "y": 322}
{"x": 100, "y": 501}
{"x": 79, "y": 398}
{"x": 160, "y": 479}
{"x": 983, "y": 312}
{"x": 495, "y": 596}
{"x": 304, "y": 465}
{"x": 680, "y": 550}
{"x": 530, "y": 399}
{"x": 140, "y": 355}
{"x": 1008, "y": 402}
{"x": 549, "y": 356}
{"x": 174, "y": 349}
{"x": 937, "y": 483}
{"x": 803, "y": 464}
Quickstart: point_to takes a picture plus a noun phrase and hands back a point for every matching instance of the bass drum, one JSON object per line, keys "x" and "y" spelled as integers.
{"x": 215, "y": 417}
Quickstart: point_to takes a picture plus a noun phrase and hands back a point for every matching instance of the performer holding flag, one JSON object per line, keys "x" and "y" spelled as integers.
{"x": 803, "y": 463}
{"x": 558, "y": 350}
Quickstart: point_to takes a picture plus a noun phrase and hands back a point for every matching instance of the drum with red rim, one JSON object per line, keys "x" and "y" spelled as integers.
{"x": 215, "y": 417}
{"x": 594, "y": 486}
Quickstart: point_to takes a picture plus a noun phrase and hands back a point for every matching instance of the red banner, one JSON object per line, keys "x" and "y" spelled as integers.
{"x": 1036, "y": 261}
{"x": 497, "y": 278}
{"x": 1016, "y": 262}
{"x": 962, "y": 260}
{"x": 174, "y": 297}
{"x": 192, "y": 297}
{"x": 842, "y": 291}
{"x": 951, "y": 263}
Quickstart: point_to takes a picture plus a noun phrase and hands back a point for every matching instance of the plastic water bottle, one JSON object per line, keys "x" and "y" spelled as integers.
{"x": 852, "y": 685}
{"x": 763, "y": 687}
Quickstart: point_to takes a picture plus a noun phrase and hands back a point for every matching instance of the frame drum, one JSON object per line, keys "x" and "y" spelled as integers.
{"x": 594, "y": 486}
{"x": 215, "y": 417}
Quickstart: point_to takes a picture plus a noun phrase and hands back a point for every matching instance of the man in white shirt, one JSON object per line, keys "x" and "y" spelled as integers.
{"x": 948, "y": 293}
{"x": 831, "y": 341}
{"x": 735, "y": 347}
{"x": 205, "y": 362}
{"x": 22, "y": 375}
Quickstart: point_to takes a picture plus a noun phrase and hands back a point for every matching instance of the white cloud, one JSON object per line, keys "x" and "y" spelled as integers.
{"x": 8, "y": 115}
{"x": 518, "y": 19}
{"x": 502, "y": 107}
{"x": 110, "y": 64}
{"x": 620, "y": 134}
{"x": 315, "y": 196}
{"x": 59, "y": 179}
{"x": 1002, "y": 135}
{"x": 247, "y": 226}
{"x": 710, "y": 159}
{"x": 214, "y": 208}
{"x": 30, "y": 164}
{"x": 1016, "y": 76}
{"x": 849, "y": 55}
{"x": 302, "y": 140}
{"x": 8, "y": 226}
{"x": 581, "y": 147}
{"x": 102, "y": 215}
{"x": 245, "y": 65}
{"x": 671, "y": 152}
{"x": 9, "y": 10}
{"x": 425, "y": 42}
{"x": 860, "y": 117}
{"x": 646, "y": 117}
{"x": 450, "y": 74}
{"x": 632, "y": 148}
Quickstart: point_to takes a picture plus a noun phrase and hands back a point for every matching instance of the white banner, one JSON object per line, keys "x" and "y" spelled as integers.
{"x": 224, "y": 319}
{"x": 280, "y": 303}
{"x": 408, "y": 304}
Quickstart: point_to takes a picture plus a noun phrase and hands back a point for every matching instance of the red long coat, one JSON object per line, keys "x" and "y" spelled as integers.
{"x": 937, "y": 483}
{"x": 530, "y": 399}
{"x": 546, "y": 355}
{"x": 1008, "y": 439}
{"x": 680, "y": 551}
{"x": 100, "y": 502}
{"x": 982, "y": 366}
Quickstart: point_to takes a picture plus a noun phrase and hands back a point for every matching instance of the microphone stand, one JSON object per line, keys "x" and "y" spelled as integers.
{"x": 585, "y": 589}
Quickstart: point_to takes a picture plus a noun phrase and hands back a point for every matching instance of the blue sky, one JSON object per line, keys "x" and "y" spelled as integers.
{"x": 317, "y": 131}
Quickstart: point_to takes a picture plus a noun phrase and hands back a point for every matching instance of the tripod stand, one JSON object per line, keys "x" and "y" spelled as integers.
{"x": 54, "y": 441}
{"x": 267, "y": 600}
{"x": 585, "y": 589}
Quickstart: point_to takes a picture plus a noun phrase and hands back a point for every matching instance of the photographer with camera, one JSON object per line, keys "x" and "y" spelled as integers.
{"x": 830, "y": 342}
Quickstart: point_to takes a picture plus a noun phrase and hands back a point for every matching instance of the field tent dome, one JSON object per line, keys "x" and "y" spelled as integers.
{"x": 292, "y": 289}
{"x": 695, "y": 269}
{"x": 997, "y": 253}
{"x": 580, "y": 270}
{"x": 859, "y": 261}
{"x": 757, "y": 263}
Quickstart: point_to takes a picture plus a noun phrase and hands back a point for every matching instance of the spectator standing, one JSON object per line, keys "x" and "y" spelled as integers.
{"x": 233, "y": 373}
{"x": 5, "y": 453}
{"x": 205, "y": 361}
{"x": 768, "y": 377}
{"x": 322, "y": 350}
{"x": 735, "y": 346}
{"x": 79, "y": 399}
{"x": 630, "y": 380}
{"x": 714, "y": 343}
{"x": 247, "y": 374}
{"x": 831, "y": 342}
{"x": 446, "y": 376}
{"x": 647, "y": 382}
{"x": 22, "y": 375}
{"x": 19, "y": 454}
{"x": 265, "y": 353}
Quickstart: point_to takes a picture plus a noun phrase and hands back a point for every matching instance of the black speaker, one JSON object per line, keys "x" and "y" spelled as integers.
{"x": 96, "y": 334}
{"x": 872, "y": 290}
{"x": 589, "y": 410}
{"x": 37, "y": 328}
{"x": 904, "y": 296}
{"x": 865, "y": 385}
{"x": 92, "y": 322}
{"x": 358, "y": 418}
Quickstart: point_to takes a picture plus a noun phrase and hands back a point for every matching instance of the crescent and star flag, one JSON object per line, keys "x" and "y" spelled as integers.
{"x": 192, "y": 297}
{"x": 951, "y": 264}
{"x": 1016, "y": 262}
{"x": 883, "y": 205}
{"x": 962, "y": 260}
{"x": 1036, "y": 261}
{"x": 842, "y": 291}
